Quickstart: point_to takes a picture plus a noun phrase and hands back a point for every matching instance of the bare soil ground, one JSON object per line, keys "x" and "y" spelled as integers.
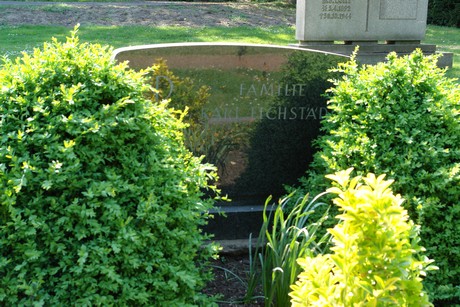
{"x": 147, "y": 13}
{"x": 230, "y": 274}
{"x": 150, "y": 13}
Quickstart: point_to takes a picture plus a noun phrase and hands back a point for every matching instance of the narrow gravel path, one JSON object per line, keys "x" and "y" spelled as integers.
{"x": 146, "y": 13}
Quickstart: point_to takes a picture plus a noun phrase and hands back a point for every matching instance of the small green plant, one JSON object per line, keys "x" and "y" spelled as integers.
{"x": 283, "y": 239}
{"x": 376, "y": 258}
{"x": 101, "y": 203}
{"x": 401, "y": 118}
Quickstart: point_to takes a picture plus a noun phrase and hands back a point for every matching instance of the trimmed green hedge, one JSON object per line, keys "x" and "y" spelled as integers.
{"x": 101, "y": 203}
{"x": 402, "y": 118}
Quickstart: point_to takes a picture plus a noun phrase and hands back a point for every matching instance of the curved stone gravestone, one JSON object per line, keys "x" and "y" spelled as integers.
{"x": 262, "y": 114}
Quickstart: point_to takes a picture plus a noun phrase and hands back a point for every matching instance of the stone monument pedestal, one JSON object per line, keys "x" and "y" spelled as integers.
{"x": 373, "y": 52}
{"x": 378, "y": 27}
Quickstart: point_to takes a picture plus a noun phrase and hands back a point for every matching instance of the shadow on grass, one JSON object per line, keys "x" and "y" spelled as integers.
{"x": 16, "y": 39}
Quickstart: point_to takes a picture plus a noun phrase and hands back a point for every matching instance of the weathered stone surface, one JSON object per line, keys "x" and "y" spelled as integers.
{"x": 361, "y": 20}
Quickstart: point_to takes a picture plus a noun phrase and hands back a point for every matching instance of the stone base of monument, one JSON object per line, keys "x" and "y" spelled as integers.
{"x": 236, "y": 247}
{"x": 236, "y": 228}
{"x": 235, "y": 222}
{"x": 372, "y": 52}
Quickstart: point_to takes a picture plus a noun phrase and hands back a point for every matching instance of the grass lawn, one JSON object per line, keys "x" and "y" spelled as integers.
{"x": 24, "y": 38}
{"x": 16, "y": 39}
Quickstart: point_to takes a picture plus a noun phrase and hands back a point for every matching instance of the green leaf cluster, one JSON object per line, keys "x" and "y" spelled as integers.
{"x": 101, "y": 202}
{"x": 401, "y": 118}
{"x": 376, "y": 259}
{"x": 282, "y": 240}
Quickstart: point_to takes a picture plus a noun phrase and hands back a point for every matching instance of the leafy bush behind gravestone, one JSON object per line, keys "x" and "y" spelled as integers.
{"x": 402, "y": 118}
{"x": 444, "y": 13}
{"x": 101, "y": 202}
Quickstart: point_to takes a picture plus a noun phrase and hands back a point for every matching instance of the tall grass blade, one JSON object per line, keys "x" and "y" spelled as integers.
{"x": 283, "y": 238}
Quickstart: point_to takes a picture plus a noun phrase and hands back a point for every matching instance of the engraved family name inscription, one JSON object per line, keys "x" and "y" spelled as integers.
{"x": 264, "y": 109}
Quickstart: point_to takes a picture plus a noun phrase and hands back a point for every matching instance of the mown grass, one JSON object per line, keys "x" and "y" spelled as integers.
{"x": 16, "y": 39}
{"x": 447, "y": 39}
{"x": 25, "y": 38}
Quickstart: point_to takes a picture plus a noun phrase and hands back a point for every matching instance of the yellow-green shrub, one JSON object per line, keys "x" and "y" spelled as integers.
{"x": 401, "y": 118}
{"x": 375, "y": 259}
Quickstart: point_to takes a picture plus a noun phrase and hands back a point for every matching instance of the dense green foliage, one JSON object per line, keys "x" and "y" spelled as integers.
{"x": 101, "y": 202}
{"x": 375, "y": 259}
{"x": 444, "y": 13}
{"x": 402, "y": 118}
{"x": 283, "y": 239}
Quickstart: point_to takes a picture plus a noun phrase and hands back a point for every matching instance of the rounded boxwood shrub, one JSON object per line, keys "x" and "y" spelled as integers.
{"x": 402, "y": 118}
{"x": 101, "y": 203}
